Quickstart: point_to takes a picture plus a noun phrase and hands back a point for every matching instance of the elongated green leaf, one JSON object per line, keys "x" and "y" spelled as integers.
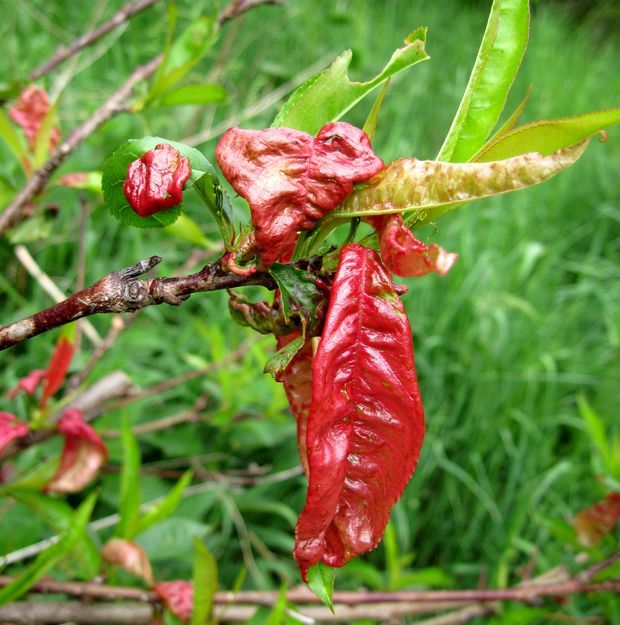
{"x": 217, "y": 201}
{"x": 59, "y": 516}
{"x": 330, "y": 94}
{"x": 282, "y": 358}
{"x": 206, "y": 93}
{"x": 321, "y": 582}
{"x": 8, "y": 134}
{"x": 48, "y": 558}
{"x": 548, "y": 135}
{"x": 431, "y": 188}
{"x": 205, "y": 583}
{"x": 44, "y": 134}
{"x": 115, "y": 173}
{"x": 511, "y": 122}
{"x": 370, "y": 125}
{"x": 164, "y": 508}
{"x": 129, "y": 506}
{"x": 187, "y": 50}
{"x": 496, "y": 66}
{"x": 187, "y": 229}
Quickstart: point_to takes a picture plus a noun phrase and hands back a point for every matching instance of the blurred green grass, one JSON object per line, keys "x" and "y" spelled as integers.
{"x": 528, "y": 318}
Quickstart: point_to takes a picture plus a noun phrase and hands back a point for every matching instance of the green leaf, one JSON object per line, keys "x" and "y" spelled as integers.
{"x": 166, "y": 506}
{"x": 498, "y": 60}
{"x": 300, "y": 294}
{"x": 186, "y": 51}
{"x": 595, "y": 428}
{"x": 206, "y": 93}
{"x": 10, "y": 137}
{"x": 217, "y": 201}
{"x": 321, "y": 582}
{"x": 59, "y": 516}
{"x": 205, "y": 584}
{"x": 48, "y": 558}
{"x": 129, "y": 506}
{"x": 548, "y": 135}
{"x": 282, "y": 358}
{"x": 187, "y": 229}
{"x": 115, "y": 173}
{"x": 370, "y": 125}
{"x": 432, "y": 188}
{"x": 327, "y": 96}
{"x": 510, "y": 123}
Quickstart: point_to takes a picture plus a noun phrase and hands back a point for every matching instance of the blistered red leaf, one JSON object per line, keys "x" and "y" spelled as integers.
{"x": 178, "y": 597}
{"x": 57, "y": 370}
{"x": 598, "y": 520}
{"x": 128, "y": 555}
{"x": 297, "y": 380}
{"x": 155, "y": 181}
{"x": 291, "y": 179}
{"x": 10, "y": 429}
{"x": 366, "y": 421}
{"x": 403, "y": 254}
{"x": 83, "y": 454}
{"x": 29, "y": 383}
{"x": 30, "y": 111}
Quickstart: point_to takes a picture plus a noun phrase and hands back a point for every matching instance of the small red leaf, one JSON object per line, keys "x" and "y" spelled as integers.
{"x": 178, "y": 597}
{"x": 291, "y": 179}
{"x": 57, "y": 370}
{"x": 297, "y": 380}
{"x": 403, "y": 254}
{"x": 366, "y": 422}
{"x": 155, "y": 181}
{"x": 128, "y": 555}
{"x": 592, "y": 523}
{"x": 10, "y": 429}
{"x": 29, "y": 383}
{"x": 30, "y": 111}
{"x": 84, "y": 453}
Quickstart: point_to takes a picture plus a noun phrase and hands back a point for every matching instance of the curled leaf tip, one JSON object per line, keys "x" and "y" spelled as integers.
{"x": 128, "y": 555}
{"x": 178, "y": 597}
{"x": 30, "y": 111}
{"x": 29, "y": 383}
{"x": 155, "y": 181}
{"x": 10, "y": 429}
{"x": 83, "y": 454}
{"x": 291, "y": 179}
{"x": 406, "y": 256}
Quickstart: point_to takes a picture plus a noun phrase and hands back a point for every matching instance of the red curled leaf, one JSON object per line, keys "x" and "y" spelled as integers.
{"x": 29, "y": 383}
{"x": 178, "y": 597}
{"x": 30, "y": 111}
{"x": 84, "y": 453}
{"x": 403, "y": 254}
{"x": 366, "y": 422}
{"x": 598, "y": 520}
{"x": 128, "y": 555}
{"x": 291, "y": 179}
{"x": 297, "y": 380}
{"x": 155, "y": 181}
{"x": 10, "y": 429}
{"x": 57, "y": 370}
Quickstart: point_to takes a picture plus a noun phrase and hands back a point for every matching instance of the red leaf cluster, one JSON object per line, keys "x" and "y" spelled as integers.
{"x": 178, "y": 597}
{"x": 83, "y": 454}
{"x": 155, "y": 181}
{"x": 403, "y": 254}
{"x": 10, "y": 429}
{"x": 592, "y": 523}
{"x": 366, "y": 421}
{"x": 291, "y": 179}
{"x": 29, "y": 383}
{"x": 30, "y": 111}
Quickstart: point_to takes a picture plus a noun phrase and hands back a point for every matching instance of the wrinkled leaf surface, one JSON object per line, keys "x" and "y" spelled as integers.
{"x": 366, "y": 421}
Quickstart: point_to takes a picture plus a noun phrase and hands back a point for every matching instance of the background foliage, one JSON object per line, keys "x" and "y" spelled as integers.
{"x": 527, "y": 321}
